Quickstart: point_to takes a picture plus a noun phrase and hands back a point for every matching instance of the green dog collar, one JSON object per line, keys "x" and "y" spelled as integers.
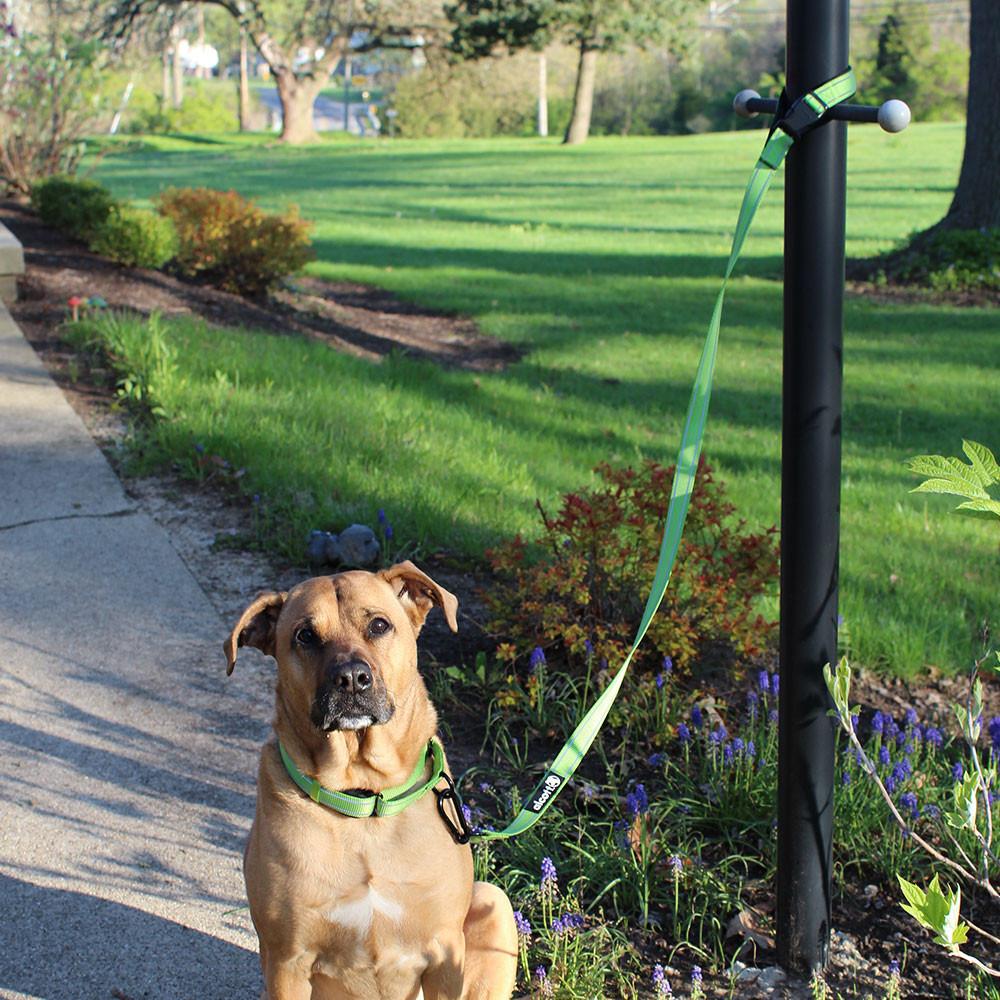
{"x": 360, "y": 805}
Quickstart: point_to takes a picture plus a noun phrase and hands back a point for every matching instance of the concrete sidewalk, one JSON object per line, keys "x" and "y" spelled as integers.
{"x": 127, "y": 761}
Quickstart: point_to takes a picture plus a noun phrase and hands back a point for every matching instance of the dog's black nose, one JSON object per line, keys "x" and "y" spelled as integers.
{"x": 352, "y": 677}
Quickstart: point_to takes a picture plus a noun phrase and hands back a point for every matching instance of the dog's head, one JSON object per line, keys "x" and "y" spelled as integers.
{"x": 346, "y": 645}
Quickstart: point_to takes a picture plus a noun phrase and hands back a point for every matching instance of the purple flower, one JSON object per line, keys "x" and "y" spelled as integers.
{"x": 845, "y": 778}
{"x": 994, "y": 732}
{"x": 661, "y": 679}
{"x": 537, "y": 659}
{"x": 550, "y": 876}
{"x": 668, "y": 665}
{"x": 764, "y": 682}
{"x": 738, "y": 746}
{"x": 388, "y": 532}
{"x": 676, "y": 865}
{"x": 894, "y": 969}
{"x": 661, "y": 987}
{"x": 883, "y": 755}
{"x": 878, "y": 722}
{"x": 727, "y": 753}
{"x": 656, "y": 759}
{"x": 908, "y": 801}
{"x": 718, "y": 736}
{"x": 910, "y": 718}
{"x": 891, "y": 729}
{"x": 567, "y": 924}
{"x": 772, "y": 717}
{"x": 683, "y": 733}
{"x": 696, "y": 976}
{"x": 957, "y": 771}
{"x": 588, "y": 648}
{"x": 637, "y": 801}
{"x": 934, "y": 736}
{"x": 523, "y": 924}
{"x": 382, "y": 520}
{"x": 753, "y": 700}
{"x": 696, "y": 717}
{"x": 902, "y": 769}
{"x": 199, "y": 447}
{"x": 775, "y": 683}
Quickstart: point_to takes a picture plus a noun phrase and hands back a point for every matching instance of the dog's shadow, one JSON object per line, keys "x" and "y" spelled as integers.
{"x": 64, "y": 945}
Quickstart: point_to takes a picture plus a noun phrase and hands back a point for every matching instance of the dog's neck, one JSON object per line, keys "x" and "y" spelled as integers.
{"x": 373, "y": 758}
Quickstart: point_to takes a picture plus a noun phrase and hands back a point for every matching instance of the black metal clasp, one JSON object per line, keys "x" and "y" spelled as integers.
{"x": 454, "y": 819}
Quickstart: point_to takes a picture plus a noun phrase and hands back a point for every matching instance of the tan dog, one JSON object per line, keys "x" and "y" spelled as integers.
{"x": 380, "y": 908}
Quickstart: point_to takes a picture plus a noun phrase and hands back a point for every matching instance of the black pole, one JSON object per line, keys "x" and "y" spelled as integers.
{"x": 815, "y": 185}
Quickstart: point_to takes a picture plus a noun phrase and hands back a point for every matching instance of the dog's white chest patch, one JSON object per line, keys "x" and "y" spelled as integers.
{"x": 357, "y": 914}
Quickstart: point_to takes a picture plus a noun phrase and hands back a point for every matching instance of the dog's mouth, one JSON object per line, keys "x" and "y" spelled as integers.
{"x": 332, "y": 711}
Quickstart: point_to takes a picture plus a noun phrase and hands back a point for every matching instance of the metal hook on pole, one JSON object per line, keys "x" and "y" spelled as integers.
{"x": 892, "y": 116}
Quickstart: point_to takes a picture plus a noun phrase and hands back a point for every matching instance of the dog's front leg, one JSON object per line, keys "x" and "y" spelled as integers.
{"x": 443, "y": 980}
{"x": 286, "y": 981}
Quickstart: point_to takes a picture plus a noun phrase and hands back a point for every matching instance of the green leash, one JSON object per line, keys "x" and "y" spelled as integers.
{"x": 791, "y": 124}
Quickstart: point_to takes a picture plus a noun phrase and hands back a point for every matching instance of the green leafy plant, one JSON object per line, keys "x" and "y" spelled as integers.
{"x": 229, "y": 241}
{"x": 49, "y": 96}
{"x": 955, "y": 477}
{"x": 75, "y": 205}
{"x": 136, "y": 237}
{"x": 582, "y": 587}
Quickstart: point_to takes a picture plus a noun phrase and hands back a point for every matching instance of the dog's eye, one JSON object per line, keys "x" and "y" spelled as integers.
{"x": 379, "y": 626}
{"x": 305, "y": 636}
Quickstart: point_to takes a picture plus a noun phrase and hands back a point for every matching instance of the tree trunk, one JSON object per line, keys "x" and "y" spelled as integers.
{"x": 178, "y": 74}
{"x": 543, "y": 95}
{"x": 583, "y": 96}
{"x": 976, "y": 203}
{"x": 244, "y": 83}
{"x": 297, "y": 97}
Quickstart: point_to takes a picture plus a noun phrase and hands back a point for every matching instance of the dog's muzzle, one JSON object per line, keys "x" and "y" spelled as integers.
{"x": 352, "y": 696}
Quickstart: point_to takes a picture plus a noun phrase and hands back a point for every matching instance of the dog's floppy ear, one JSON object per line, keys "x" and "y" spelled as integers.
{"x": 418, "y": 593}
{"x": 255, "y": 627}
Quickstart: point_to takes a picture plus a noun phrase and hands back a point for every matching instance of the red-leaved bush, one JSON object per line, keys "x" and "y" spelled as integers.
{"x": 585, "y": 593}
{"x": 232, "y": 242}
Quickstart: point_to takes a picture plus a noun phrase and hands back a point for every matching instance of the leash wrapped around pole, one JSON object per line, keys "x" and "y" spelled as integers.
{"x": 791, "y": 122}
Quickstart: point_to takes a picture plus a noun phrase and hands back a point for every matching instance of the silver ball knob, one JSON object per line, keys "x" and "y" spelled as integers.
{"x": 740, "y": 103}
{"x": 894, "y": 116}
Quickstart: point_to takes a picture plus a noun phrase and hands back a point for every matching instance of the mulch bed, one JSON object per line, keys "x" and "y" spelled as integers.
{"x": 870, "y": 930}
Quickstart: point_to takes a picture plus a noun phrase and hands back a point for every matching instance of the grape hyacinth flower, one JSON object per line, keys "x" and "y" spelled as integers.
{"x": 523, "y": 927}
{"x": 661, "y": 987}
{"x": 957, "y": 772}
{"x": 683, "y": 733}
{"x": 696, "y": 717}
{"x": 993, "y": 729}
{"x": 934, "y": 736}
{"x": 676, "y": 865}
{"x": 656, "y": 759}
{"x": 637, "y": 801}
{"x": 878, "y": 723}
{"x": 550, "y": 877}
{"x": 764, "y": 682}
{"x": 543, "y": 984}
{"x": 696, "y": 979}
{"x": 537, "y": 659}
{"x": 910, "y": 718}
{"x": 908, "y": 801}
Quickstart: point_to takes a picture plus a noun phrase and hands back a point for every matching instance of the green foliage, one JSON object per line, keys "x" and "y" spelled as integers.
{"x": 948, "y": 260}
{"x": 229, "y": 241}
{"x": 206, "y": 107}
{"x": 77, "y": 206}
{"x": 587, "y": 590}
{"x": 910, "y": 65}
{"x": 955, "y": 477}
{"x": 444, "y": 101}
{"x": 48, "y": 101}
{"x": 139, "y": 354}
{"x": 136, "y": 237}
{"x": 937, "y": 910}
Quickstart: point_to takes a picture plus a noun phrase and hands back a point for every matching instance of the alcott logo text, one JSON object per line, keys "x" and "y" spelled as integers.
{"x": 549, "y": 788}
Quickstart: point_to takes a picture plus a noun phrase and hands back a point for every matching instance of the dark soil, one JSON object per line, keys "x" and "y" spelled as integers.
{"x": 869, "y": 928}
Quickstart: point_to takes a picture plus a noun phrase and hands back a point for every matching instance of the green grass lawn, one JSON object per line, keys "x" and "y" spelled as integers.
{"x": 602, "y": 262}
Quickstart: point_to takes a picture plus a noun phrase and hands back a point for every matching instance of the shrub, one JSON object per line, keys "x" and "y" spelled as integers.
{"x": 587, "y": 592}
{"x": 49, "y": 97}
{"x": 230, "y": 241}
{"x": 76, "y": 206}
{"x": 136, "y": 237}
{"x": 204, "y": 109}
{"x": 952, "y": 260}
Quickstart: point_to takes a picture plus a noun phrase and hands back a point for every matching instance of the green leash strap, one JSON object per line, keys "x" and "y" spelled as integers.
{"x": 791, "y": 124}
{"x": 385, "y": 803}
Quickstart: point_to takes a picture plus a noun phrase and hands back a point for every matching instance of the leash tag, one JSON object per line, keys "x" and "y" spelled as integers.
{"x": 545, "y": 791}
